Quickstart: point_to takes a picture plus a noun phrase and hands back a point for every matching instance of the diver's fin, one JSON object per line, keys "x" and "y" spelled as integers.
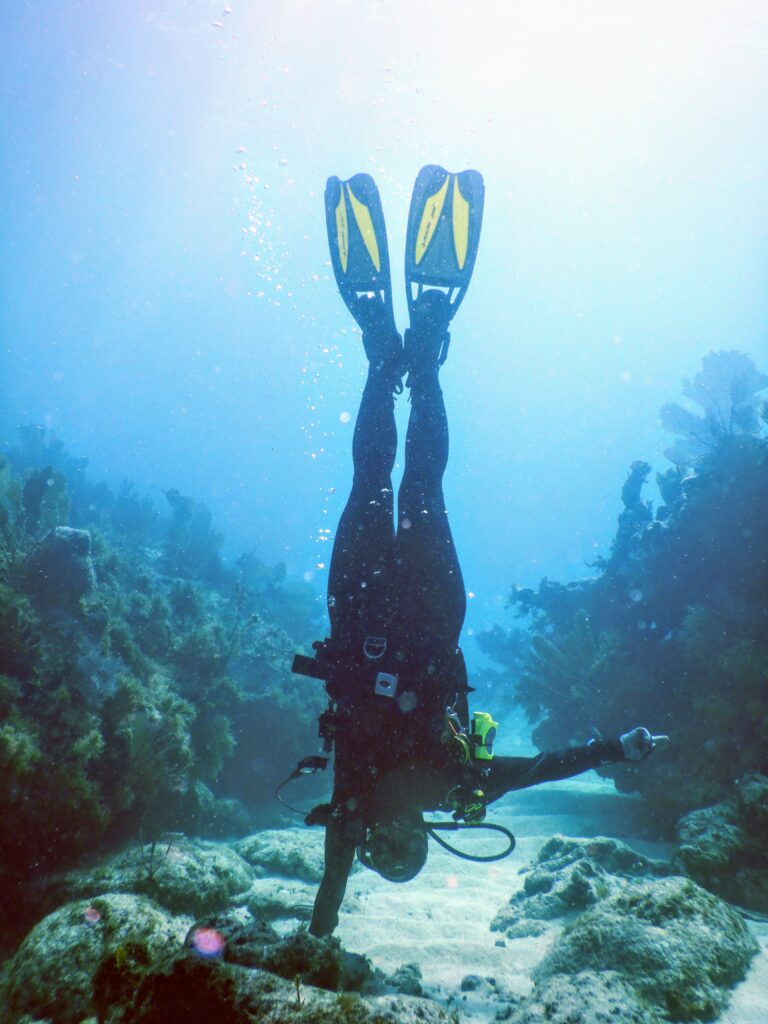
{"x": 443, "y": 235}
{"x": 358, "y": 241}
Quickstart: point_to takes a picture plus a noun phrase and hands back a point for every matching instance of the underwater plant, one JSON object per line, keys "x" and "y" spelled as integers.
{"x": 192, "y": 546}
{"x": 141, "y": 677}
{"x": 29, "y": 510}
{"x": 673, "y": 628}
{"x": 726, "y": 390}
{"x": 134, "y": 518}
{"x": 576, "y": 671}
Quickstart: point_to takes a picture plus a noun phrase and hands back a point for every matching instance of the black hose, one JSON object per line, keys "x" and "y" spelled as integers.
{"x": 307, "y": 766}
{"x": 278, "y": 797}
{"x": 431, "y": 827}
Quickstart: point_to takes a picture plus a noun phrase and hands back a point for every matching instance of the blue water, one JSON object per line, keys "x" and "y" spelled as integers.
{"x": 166, "y": 299}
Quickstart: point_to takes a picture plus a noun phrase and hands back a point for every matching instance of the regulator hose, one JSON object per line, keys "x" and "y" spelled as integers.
{"x": 432, "y": 827}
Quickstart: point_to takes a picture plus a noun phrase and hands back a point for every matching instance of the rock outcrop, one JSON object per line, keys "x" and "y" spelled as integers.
{"x": 723, "y": 847}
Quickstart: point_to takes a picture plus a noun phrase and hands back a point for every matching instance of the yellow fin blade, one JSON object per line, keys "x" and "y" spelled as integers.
{"x": 342, "y": 231}
{"x": 433, "y": 207}
{"x": 365, "y": 224}
{"x": 460, "y": 224}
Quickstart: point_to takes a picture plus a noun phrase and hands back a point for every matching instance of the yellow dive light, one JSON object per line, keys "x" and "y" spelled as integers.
{"x": 483, "y": 735}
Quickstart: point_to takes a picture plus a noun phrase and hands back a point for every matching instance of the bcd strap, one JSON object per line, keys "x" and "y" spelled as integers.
{"x": 304, "y": 666}
{"x": 321, "y": 665}
{"x": 337, "y": 672}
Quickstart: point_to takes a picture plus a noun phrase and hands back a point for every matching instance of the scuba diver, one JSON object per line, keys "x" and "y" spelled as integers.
{"x": 398, "y": 716}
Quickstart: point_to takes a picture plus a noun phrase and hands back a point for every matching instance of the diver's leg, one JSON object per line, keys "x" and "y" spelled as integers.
{"x": 349, "y": 810}
{"x": 363, "y": 547}
{"x": 432, "y": 597}
{"x": 339, "y": 855}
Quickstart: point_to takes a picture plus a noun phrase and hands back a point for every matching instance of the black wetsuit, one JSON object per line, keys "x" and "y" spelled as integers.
{"x": 397, "y": 602}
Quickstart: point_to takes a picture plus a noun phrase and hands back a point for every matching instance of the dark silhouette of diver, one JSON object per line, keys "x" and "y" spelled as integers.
{"x": 398, "y": 715}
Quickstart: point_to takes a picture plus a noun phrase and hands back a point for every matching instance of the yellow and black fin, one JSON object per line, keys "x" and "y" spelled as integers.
{"x": 357, "y": 238}
{"x": 443, "y": 233}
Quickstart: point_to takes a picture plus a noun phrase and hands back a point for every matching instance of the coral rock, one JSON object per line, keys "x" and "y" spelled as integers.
{"x": 406, "y": 980}
{"x": 572, "y": 874}
{"x": 585, "y": 998}
{"x": 184, "y": 876}
{"x": 723, "y": 847}
{"x": 290, "y": 852}
{"x": 60, "y": 571}
{"x": 52, "y": 972}
{"x": 187, "y": 988}
{"x": 678, "y": 946}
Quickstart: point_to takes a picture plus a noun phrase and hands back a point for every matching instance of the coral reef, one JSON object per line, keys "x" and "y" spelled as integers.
{"x": 142, "y": 678}
{"x": 406, "y": 980}
{"x": 183, "y": 876}
{"x": 723, "y": 847}
{"x": 267, "y": 873}
{"x": 290, "y": 853}
{"x": 672, "y": 632}
{"x": 637, "y": 945}
{"x": 660, "y": 947}
{"x": 726, "y": 390}
{"x": 51, "y": 975}
{"x": 572, "y": 875}
{"x": 187, "y": 988}
{"x": 587, "y": 997}
{"x": 680, "y": 947}
{"x": 123, "y": 958}
{"x": 59, "y": 571}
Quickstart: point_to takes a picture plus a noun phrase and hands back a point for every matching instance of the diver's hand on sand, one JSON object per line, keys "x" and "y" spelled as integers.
{"x": 639, "y": 744}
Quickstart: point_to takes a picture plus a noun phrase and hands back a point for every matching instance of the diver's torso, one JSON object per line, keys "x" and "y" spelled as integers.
{"x": 390, "y": 716}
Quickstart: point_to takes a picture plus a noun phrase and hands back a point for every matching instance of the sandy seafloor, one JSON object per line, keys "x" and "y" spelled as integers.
{"x": 441, "y": 919}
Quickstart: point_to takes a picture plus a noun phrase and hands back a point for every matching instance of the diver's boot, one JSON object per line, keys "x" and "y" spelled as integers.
{"x": 427, "y": 339}
{"x": 383, "y": 345}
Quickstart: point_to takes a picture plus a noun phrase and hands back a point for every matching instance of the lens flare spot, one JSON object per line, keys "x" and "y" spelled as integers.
{"x": 91, "y": 915}
{"x": 345, "y": 417}
{"x": 452, "y": 882}
{"x": 208, "y": 943}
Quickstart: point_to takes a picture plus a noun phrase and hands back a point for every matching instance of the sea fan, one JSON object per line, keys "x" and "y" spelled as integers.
{"x": 726, "y": 388}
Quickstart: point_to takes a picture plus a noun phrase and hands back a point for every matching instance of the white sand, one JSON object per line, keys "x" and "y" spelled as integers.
{"x": 441, "y": 919}
{"x": 749, "y": 1004}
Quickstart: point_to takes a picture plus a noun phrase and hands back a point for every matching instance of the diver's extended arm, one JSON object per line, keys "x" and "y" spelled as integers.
{"x": 509, "y": 773}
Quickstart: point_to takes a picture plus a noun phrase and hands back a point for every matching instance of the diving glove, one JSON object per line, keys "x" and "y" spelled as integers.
{"x": 637, "y": 744}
